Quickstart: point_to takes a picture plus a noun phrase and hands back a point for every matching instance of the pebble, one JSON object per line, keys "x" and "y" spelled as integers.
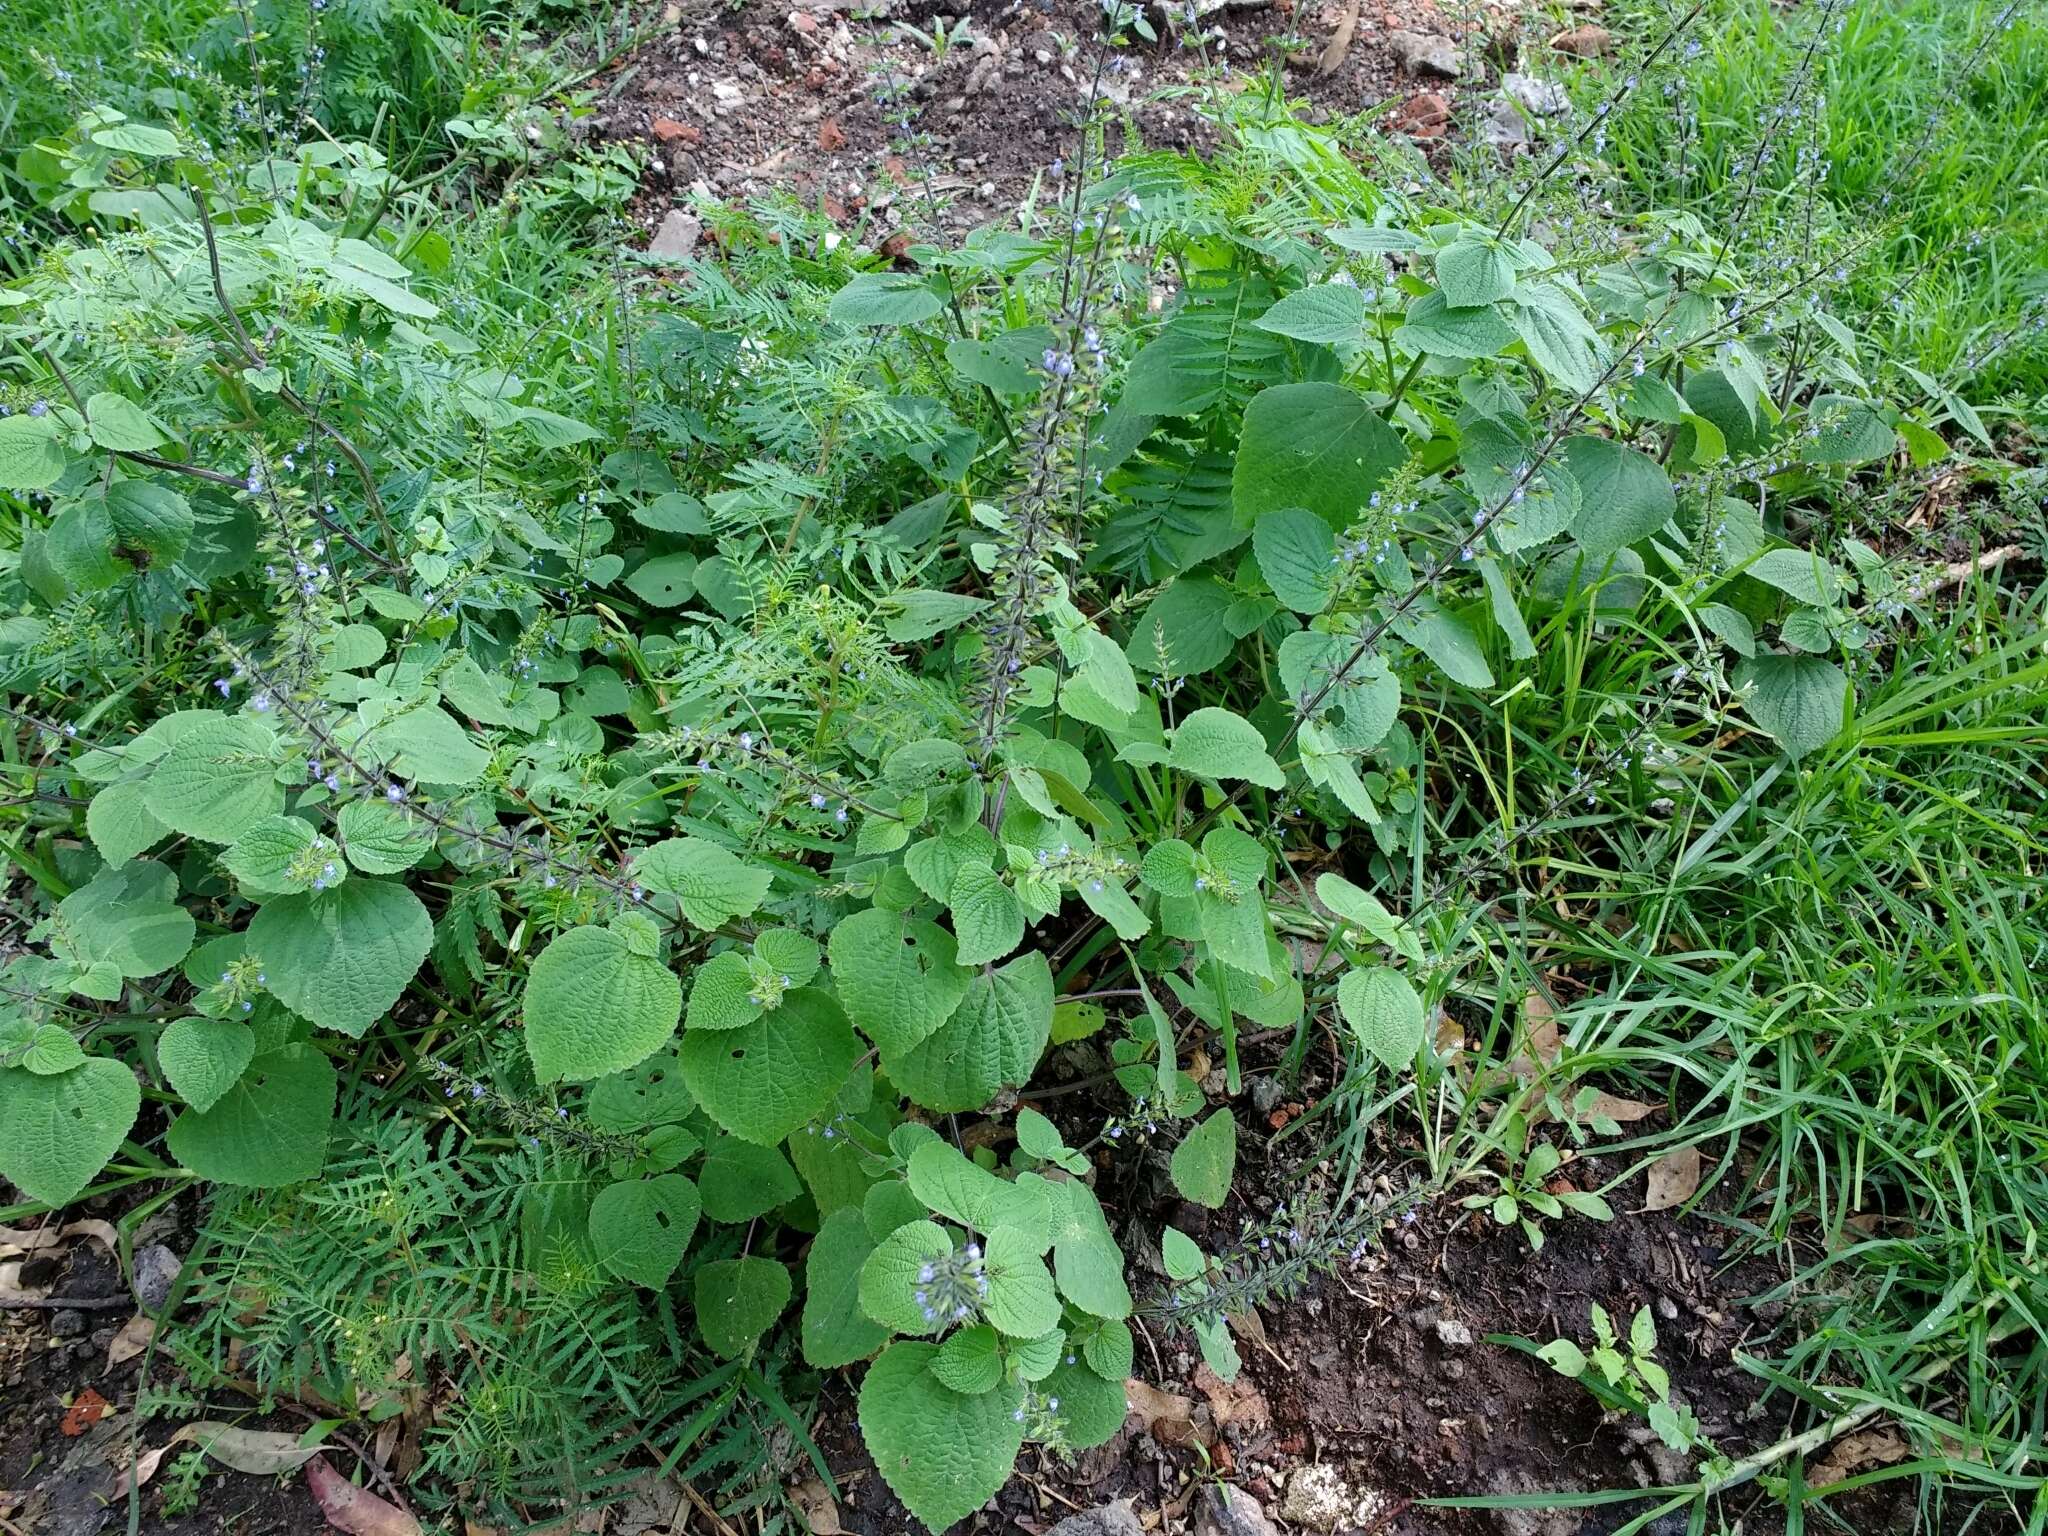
{"x": 1453, "y": 1334}
{"x": 1427, "y": 53}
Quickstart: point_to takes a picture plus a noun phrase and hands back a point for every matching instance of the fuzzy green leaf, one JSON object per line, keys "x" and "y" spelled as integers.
{"x": 988, "y": 919}
{"x": 971, "y": 1360}
{"x": 1385, "y": 1013}
{"x": 765, "y": 1080}
{"x": 593, "y": 1005}
{"x": 640, "y": 1228}
{"x": 1801, "y": 701}
{"x": 1206, "y": 1159}
{"x": 57, "y": 1131}
{"x": 897, "y": 975}
{"x": 204, "y": 1058}
{"x": 217, "y": 778}
{"x": 342, "y": 957}
{"x": 712, "y": 883}
{"x": 943, "y": 1453}
{"x": 992, "y": 1040}
{"x": 1317, "y": 446}
{"x": 737, "y": 1301}
{"x": 892, "y": 1276}
{"x": 269, "y": 1129}
{"x": 743, "y": 1179}
{"x": 1020, "y": 1301}
{"x": 1217, "y": 744}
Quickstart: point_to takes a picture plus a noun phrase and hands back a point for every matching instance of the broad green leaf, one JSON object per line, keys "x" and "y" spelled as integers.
{"x": 1474, "y": 271}
{"x": 118, "y": 422}
{"x": 1090, "y": 1408}
{"x": 596, "y": 1003}
{"x": 1800, "y": 574}
{"x": 943, "y": 1453}
{"x": 765, "y": 1080}
{"x": 1846, "y": 431}
{"x": 1358, "y": 705}
{"x": 120, "y": 824}
{"x": 897, "y": 1272}
{"x": 1801, "y": 701}
{"x": 640, "y": 1228}
{"x": 269, "y": 1129}
{"x": 1184, "y": 1260}
{"x": 667, "y": 581}
{"x": 934, "y": 862}
{"x": 1317, "y": 446}
{"x": 742, "y": 1179}
{"x": 1731, "y": 628}
{"x": 51, "y": 1049}
{"x": 1185, "y": 630}
{"x": 970, "y": 1361}
{"x": 712, "y": 883}
{"x": 1086, "y": 1259}
{"x": 650, "y": 1093}
{"x": 897, "y": 975}
{"x": 1021, "y": 1301}
{"x": 1217, "y": 744}
{"x": 724, "y": 993}
{"x": 126, "y": 917}
{"x": 1297, "y": 554}
{"x": 1206, "y": 1159}
{"x": 381, "y": 839}
{"x": 988, "y": 919}
{"x": 283, "y": 854}
{"x": 342, "y": 957}
{"x": 835, "y": 1331}
{"x": 137, "y": 139}
{"x": 954, "y": 1185}
{"x": 1560, "y": 341}
{"x": 884, "y": 298}
{"x": 991, "y": 1042}
{"x": 1446, "y": 639}
{"x": 31, "y": 459}
{"x": 203, "y": 1058}
{"x": 1108, "y": 1351}
{"x": 1443, "y": 330}
{"x": 57, "y": 1132}
{"x": 1331, "y": 313}
{"x": 430, "y": 745}
{"x": 1624, "y": 494}
{"x": 217, "y": 778}
{"x": 1385, "y": 1013}
{"x": 150, "y": 517}
{"x": 738, "y": 1300}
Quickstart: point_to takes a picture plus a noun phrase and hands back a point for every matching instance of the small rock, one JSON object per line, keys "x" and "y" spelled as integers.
{"x": 677, "y": 236}
{"x": 1317, "y": 1497}
{"x": 831, "y": 137}
{"x": 803, "y": 22}
{"x": 1266, "y": 1093}
{"x": 1425, "y": 115}
{"x": 1453, "y": 1334}
{"x": 1105, "y": 1520}
{"x": 1227, "y": 1510}
{"x": 1584, "y": 42}
{"x": 1542, "y": 98}
{"x": 67, "y": 1324}
{"x": 669, "y": 131}
{"x": 1425, "y": 53}
{"x": 156, "y": 1268}
{"x": 1503, "y": 126}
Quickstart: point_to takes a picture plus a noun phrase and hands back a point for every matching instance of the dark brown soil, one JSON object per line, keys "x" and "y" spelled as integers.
{"x": 782, "y": 94}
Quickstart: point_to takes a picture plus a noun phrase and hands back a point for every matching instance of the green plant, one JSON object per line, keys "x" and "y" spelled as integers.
{"x": 946, "y": 34}
{"x": 552, "y": 796}
{"x": 1624, "y": 1373}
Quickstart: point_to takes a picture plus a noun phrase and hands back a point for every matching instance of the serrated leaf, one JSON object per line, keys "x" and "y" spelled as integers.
{"x": 279, "y": 855}
{"x": 765, "y": 1080}
{"x": 1801, "y": 701}
{"x": 649, "y": 1093}
{"x": 667, "y": 581}
{"x": 1108, "y": 1351}
{"x": 1021, "y": 1301}
{"x": 1625, "y": 494}
{"x": 992, "y": 1040}
{"x": 380, "y": 839}
{"x": 57, "y": 1131}
{"x": 594, "y": 1005}
{"x": 954, "y": 1185}
{"x": 897, "y": 975}
{"x": 269, "y": 1129}
{"x": 640, "y": 1228}
{"x": 742, "y": 1179}
{"x": 203, "y": 1058}
{"x": 738, "y": 1300}
{"x": 1473, "y": 271}
{"x": 1297, "y": 554}
{"x": 1446, "y": 330}
{"x": 988, "y": 919}
{"x": 1217, "y": 744}
{"x": 1184, "y": 1260}
{"x": 127, "y": 919}
{"x": 943, "y": 1453}
{"x": 722, "y": 994}
{"x": 896, "y": 1272}
{"x": 1447, "y": 640}
{"x": 1086, "y": 1260}
{"x": 217, "y": 778}
{"x": 970, "y": 1361}
{"x": 342, "y": 957}
{"x": 1330, "y": 313}
{"x": 1091, "y": 1409}
{"x": 1315, "y": 445}
{"x": 1384, "y": 1012}
{"x": 884, "y": 298}
{"x": 835, "y": 1331}
{"x": 119, "y": 423}
{"x": 120, "y": 824}
{"x": 713, "y": 884}
{"x": 1800, "y": 574}
{"x": 31, "y": 459}
{"x": 1206, "y": 1159}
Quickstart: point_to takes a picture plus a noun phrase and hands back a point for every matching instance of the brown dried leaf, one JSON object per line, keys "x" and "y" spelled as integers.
{"x": 142, "y": 1471}
{"x": 355, "y": 1510}
{"x": 86, "y": 1410}
{"x": 15, "y": 1242}
{"x": 1168, "y": 1416}
{"x": 1865, "y": 1448}
{"x": 1623, "y": 1111}
{"x": 820, "y": 1512}
{"x": 1233, "y": 1402}
{"x": 1673, "y": 1179}
{"x": 263, "y": 1452}
{"x": 131, "y": 1341}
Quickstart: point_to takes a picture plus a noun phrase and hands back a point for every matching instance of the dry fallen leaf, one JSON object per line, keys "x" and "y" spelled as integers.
{"x": 131, "y": 1341}
{"x": 1622, "y": 1111}
{"x": 1232, "y": 1402}
{"x": 1674, "y": 1179}
{"x": 355, "y": 1510}
{"x": 18, "y": 1241}
{"x": 1167, "y": 1416}
{"x": 86, "y": 1410}
{"x": 142, "y": 1471}
{"x": 1866, "y": 1447}
{"x": 260, "y": 1451}
{"x": 820, "y": 1512}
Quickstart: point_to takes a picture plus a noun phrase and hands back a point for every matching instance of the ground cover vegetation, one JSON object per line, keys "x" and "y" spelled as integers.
{"x": 570, "y": 800}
